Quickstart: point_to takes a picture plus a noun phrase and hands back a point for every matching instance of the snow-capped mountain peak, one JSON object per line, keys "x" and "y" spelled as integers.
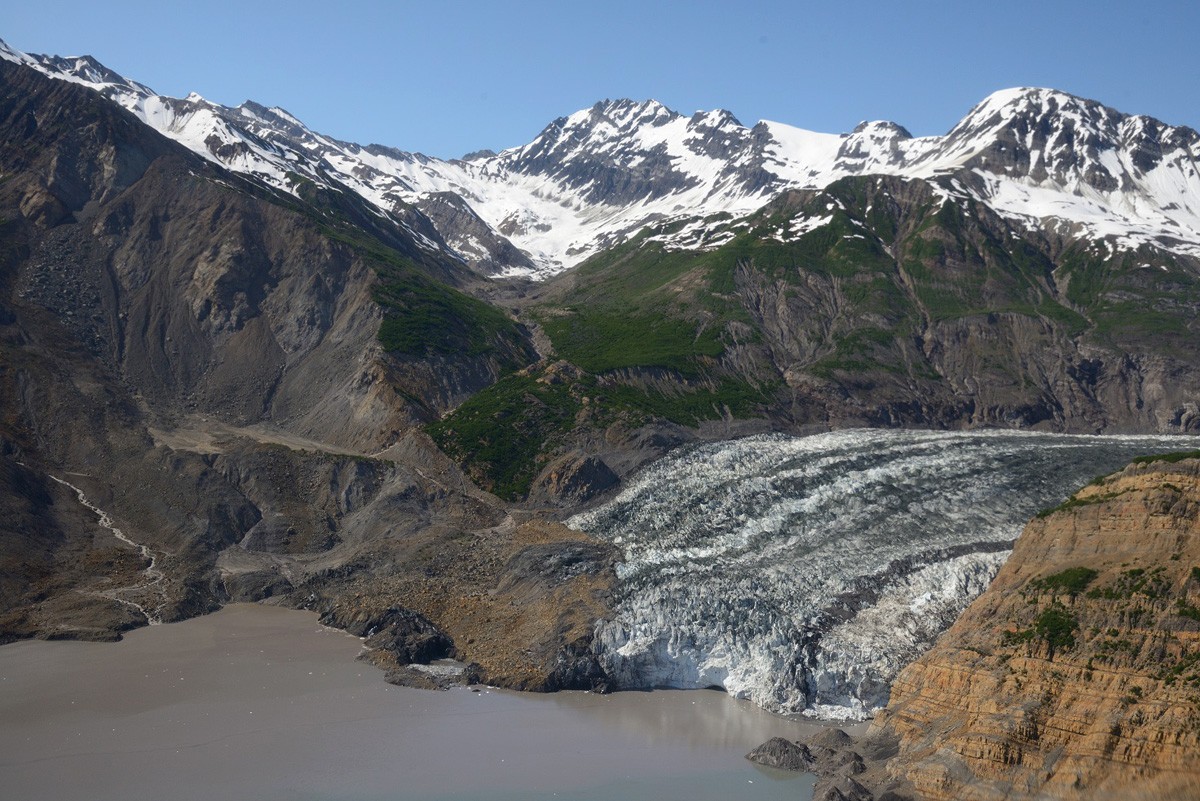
{"x": 1041, "y": 157}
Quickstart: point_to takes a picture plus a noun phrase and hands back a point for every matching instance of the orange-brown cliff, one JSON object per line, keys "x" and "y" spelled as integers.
{"x": 1077, "y": 673}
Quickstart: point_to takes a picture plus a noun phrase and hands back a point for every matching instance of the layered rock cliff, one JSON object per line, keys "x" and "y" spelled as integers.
{"x": 1077, "y": 673}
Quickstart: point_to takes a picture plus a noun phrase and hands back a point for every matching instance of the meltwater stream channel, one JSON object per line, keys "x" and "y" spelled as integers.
{"x": 803, "y": 573}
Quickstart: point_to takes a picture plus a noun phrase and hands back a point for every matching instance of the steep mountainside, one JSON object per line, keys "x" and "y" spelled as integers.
{"x": 242, "y": 360}
{"x": 1075, "y": 674}
{"x": 877, "y": 301}
{"x": 209, "y": 392}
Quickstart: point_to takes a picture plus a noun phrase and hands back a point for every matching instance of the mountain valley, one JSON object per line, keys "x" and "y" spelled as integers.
{"x": 401, "y": 391}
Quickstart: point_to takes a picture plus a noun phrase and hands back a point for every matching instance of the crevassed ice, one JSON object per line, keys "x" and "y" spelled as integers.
{"x": 802, "y": 573}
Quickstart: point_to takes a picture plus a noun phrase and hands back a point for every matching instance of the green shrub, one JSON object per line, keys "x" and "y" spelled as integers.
{"x": 1071, "y": 581}
{"x": 1184, "y": 609}
{"x": 499, "y": 433}
{"x": 601, "y": 341}
{"x": 1056, "y": 626}
{"x": 1137, "y": 580}
{"x": 1169, "y": 458}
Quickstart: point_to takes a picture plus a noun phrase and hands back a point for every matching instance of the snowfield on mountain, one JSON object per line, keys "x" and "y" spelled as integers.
{"x": 593, "y": 179}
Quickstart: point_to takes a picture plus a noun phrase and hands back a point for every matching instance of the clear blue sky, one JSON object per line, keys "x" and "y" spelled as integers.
{"x": 444, "y": 77}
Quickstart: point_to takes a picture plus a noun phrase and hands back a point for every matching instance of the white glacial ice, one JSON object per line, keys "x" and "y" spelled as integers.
{"x": 803, "y": 573}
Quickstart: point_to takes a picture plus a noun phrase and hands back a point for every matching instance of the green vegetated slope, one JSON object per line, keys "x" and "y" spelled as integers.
{"x": 875, "y": 301}
{"x": 424, "y": 314}
{"x": 507, "y": 433}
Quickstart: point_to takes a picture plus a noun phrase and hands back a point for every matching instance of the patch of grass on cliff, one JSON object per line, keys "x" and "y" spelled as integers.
{"x": 1071, "y": 581}
{"x": 1136, "y": 581}
{"x": 1170, "y": 673}
{"x": 504, "y": 435}
{"x": 1055, "y": 626}
{"x": 1168, "y": 458}
{"x": 1184, "y": 609}
{"x": 1075, "y": 502}
{"x": 843, "y": 247}
{"x": 1088, "y": 276}
{"x": 1142, "y": 320}
{"x": 1017, "y": 637}
{"x": 640, "y": 305}
{"x": 1141, "y": 297}
{"x": 689, "y": 408}
{"x": 1068, "y": 504}
{"x": 860, "y": 350}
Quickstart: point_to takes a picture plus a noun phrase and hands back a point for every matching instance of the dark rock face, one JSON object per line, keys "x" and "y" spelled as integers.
{"x": 555, "y": 563}
{"x": 574, "y": 479}
{"x": 842, "y": 788}
{"x": 782, "y": 754}
{"x": 489, "y": 252}
{"x": 835, "y": 758}
{"x": 405, "y": 635}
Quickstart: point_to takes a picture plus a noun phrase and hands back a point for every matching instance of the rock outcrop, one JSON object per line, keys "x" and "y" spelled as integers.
{"x": 1077, "y": 673}
{"x": 782, "y": 754}
{"x": 846, "y": 770}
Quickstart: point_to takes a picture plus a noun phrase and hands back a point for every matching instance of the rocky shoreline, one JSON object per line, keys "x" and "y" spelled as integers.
{"x": 847, "y": 768}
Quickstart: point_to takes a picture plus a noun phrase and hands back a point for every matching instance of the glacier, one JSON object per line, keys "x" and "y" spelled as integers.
{"x": 803, "y": 572}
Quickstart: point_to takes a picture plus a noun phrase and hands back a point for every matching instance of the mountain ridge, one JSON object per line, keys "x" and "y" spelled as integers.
{"x": 593, "y": 178}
